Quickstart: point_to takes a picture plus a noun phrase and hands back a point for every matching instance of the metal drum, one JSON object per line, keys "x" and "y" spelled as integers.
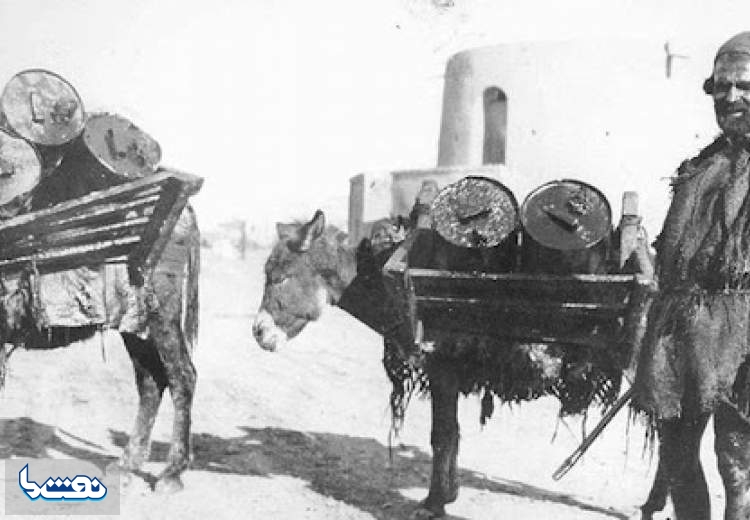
{"x": 44, "y": 109}
{"x": 20, "y": 171}
{"x": 567, "y": 225}
{"x": 476, "y": 223}
{"x": 110, "y": 150}
{"x": 120, "y": 146}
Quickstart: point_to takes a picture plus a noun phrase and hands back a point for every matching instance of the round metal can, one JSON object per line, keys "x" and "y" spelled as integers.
{"x": 566, "y": 215}
{"x": 42, "y": 107}
{"x": 567, "y": 225}
{"x": 20, "y": 167}
{"x": 120, "y": 146}
{"x": 475, "y": 212}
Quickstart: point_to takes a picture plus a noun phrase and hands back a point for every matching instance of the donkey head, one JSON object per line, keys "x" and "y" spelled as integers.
{"x": 308, "y": 267}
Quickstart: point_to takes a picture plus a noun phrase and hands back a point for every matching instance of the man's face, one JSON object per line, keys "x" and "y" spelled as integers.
{"x": 732, "y": 94}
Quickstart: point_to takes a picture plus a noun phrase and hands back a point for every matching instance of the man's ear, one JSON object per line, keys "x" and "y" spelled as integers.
{"x": 708, "y": 86}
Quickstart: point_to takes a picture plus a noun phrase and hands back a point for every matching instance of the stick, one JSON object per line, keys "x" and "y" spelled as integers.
{"x": 591, "y": 437}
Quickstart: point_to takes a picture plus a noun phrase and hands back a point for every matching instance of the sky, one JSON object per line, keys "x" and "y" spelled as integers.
{"x": 278, "y": 103}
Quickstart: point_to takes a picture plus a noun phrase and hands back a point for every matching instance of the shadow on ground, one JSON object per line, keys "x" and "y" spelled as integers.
{"x": 354, "y": 470}
{"x": 23, "y": 437}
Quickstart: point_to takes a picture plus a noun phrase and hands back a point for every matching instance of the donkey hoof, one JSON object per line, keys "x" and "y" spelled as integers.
{"x": 642, "y": 514}
{"x": 652, "y": 513}
{"x": 424, "y": 512}
{"x": 168, "y": 485}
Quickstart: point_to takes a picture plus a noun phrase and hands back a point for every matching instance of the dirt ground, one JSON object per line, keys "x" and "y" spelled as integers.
{"x": 304, "y": 433}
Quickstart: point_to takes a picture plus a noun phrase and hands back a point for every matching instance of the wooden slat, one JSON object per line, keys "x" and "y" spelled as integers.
{"x": 13, "y": 231}
{"x": 177, "y": 191}
{"x": 76, "y": 237}
{"x": 520, "y": 335}
{"x": 114, "y": 221}
{"x": 545, "y": 278}
{"x": 67, "y": 258}
{"x": 542, "y": 289}
{"x": 582, "y": 328}
{"x": 396, "y": 266}
{"x": 89, "y": 213}
{"x": 105, "y": 212}
{"x": 97, "y": 197}
{"x": 135, "y": 217}
{"x": 500, "y": 303}
{"x": 95, "y": 257}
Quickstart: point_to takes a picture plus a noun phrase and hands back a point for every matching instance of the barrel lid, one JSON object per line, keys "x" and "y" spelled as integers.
{"x": 20, "y": 167}
{"x": 42, "y": 107}
{"x": 475, "y": 212}
{"x": 120, "y": 146}
{"x": 566, "y": 214}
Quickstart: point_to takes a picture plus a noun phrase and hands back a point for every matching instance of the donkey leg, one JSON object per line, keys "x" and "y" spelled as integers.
{"x": 181, "y": 378}
{"x": 657, "y": 497}
{"x": 151, "y": 381}
{"x": 444, "y": 440}
{"x": 680, "y": 452}
{"x": 732, "y": 448}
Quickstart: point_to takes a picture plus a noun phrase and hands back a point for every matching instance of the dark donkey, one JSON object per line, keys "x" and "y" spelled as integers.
{"x": 312, "y": 265}
{"x": 159, "y": 341}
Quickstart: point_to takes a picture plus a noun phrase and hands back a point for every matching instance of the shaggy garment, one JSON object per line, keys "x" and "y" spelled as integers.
{"x": 696, "y": 339}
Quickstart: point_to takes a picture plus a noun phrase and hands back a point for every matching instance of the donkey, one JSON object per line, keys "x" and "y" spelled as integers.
{"x": 310, "y": 266}
{"x": 160, "y": 346}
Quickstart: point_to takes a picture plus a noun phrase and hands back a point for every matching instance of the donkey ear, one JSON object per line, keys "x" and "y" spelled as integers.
{"x": 287, "y": 231}
{"x": 312, "y": 230}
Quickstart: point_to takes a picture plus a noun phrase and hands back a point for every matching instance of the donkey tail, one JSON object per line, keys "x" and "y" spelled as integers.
{"x": 192, "y": 302}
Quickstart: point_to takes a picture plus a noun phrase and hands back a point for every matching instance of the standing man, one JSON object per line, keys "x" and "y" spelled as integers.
{"x": 693, "y": 358}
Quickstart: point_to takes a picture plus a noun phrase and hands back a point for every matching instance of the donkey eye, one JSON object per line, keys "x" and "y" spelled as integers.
{"x": 278, "y": 279}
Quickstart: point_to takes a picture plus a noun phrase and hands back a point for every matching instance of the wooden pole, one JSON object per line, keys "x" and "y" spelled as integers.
{"x": 591, "y": 437}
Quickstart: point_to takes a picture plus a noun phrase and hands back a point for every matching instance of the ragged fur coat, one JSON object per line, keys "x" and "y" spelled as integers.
{"x": 698, "y": 333}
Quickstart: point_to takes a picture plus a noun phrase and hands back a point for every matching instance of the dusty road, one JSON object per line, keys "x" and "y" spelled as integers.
{"x": 303, "y": 433}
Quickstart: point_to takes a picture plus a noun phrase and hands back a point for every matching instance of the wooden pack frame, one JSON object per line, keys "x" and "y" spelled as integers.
{"x": 131, "y": 223}
{"x": 575, "y": 309}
